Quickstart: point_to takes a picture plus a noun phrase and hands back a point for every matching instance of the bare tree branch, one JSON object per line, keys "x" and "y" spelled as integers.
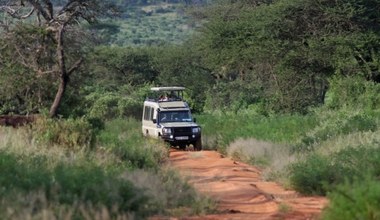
{"x": 36, "y": 50}
{"x": 37, "y": 6}
{"x": 49, "y": 7}
{"x": 27, "y": 15}
{"x": 14, "y": 12}
{"x": 75, "y": 66}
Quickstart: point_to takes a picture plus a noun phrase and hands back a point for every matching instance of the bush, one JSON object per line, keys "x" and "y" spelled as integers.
{"x": 169, "y": 191}
{"x": 310, "y": 175}
{"x": 232, "y": 96}
{"x": 317, "y": 174}
{"x": 89, "y": 183}
{"x": 113, "y": 105}
{"x": 125, "y": 101}
{"x": 336, "y": 124}
{"x": 68, "y": 184}
{"x": 69, "y": 133}
{"x": 125, "y": 140}
{"x": 353, "y": 92}
{"x": 16, "y": 174}
{"x": 357, "y": 200}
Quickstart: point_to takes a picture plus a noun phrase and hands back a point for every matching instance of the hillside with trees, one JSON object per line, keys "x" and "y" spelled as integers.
{"x": 299, "y": 77}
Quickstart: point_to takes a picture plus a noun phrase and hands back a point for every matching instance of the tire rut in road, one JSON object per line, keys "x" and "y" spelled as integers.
{"x": 239, "y": 189}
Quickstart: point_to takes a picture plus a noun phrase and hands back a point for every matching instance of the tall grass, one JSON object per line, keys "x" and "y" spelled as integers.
{"x": 256, "y": 139}
{"x": 297, "y": 149}
{"x": 225, "y": 128}
{"x": 124, "y": 139}
{"x": 121, "y": 175}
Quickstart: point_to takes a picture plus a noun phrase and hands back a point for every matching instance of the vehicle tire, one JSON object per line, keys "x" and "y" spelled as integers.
{"x": 182, "y": 146}
{"x": 198, "y": 145}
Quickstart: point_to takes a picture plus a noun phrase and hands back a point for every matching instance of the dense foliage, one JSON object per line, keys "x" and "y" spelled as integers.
{"x": 290, "y": 85}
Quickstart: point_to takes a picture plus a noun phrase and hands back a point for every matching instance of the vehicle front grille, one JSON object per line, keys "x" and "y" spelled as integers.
{"x": 182, "y": 131}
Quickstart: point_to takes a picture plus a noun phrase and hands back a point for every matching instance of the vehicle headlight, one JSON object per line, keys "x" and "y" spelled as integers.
{"x": 196, "y": 130}
{"x": 166, "y": 130}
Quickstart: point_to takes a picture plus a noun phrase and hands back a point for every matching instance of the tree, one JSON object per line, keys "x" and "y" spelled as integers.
{"x": 181, "y": 66}
{"x": 39, "y": 31}
{"x": 291, "y": 47}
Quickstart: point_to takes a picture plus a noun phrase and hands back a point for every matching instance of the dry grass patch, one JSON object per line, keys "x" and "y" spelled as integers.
{"x": 271, "y": 157}
{"x": 356, "y": 139}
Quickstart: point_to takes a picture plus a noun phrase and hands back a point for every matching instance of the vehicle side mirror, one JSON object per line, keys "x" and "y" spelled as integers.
{"x": 195, "y": 120}
{"x": 154, "y": 121}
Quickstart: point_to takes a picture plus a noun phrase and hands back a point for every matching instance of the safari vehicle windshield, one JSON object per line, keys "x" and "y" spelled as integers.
{"x": 175, "y": 116}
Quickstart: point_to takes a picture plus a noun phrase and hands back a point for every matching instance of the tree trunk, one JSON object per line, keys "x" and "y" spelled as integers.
{"x": 58, "y": 97}
{"x": 64, "y": 76}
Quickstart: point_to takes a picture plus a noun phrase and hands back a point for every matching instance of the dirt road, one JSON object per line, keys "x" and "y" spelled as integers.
{"x": 239, "y": 190}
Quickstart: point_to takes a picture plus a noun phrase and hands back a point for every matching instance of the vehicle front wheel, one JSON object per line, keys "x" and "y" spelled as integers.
{"x": 198, "y": 145}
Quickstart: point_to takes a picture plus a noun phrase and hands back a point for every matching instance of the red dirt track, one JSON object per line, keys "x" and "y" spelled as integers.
{"x": 239, "y": 190}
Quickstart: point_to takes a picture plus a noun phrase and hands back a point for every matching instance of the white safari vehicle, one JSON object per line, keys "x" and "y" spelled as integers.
{"x": 167, "y": 116}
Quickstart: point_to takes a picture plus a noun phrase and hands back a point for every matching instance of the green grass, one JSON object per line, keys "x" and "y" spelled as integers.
{"x": 281, "y": 129}
{"x": 297, "y": 150}
{"x": 262, "y": 141}
{"x": 121, "y": 175}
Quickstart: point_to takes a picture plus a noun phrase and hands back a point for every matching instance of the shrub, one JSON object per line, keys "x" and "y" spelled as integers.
{"x": 125, "y": 101}
{"x": 338, "y": 123}
{"x": 124, "y": 139}
{"x": 89, "y": 183}
{"x": 232, "y": 96}
{"x": 354, "y": 200}
{"x": 317, "y": 174}
{"x": 85, "y": 183}
{"x": 353, "y": 92}
{"x": 16, "y": 174}
{"x": 309, "y": 176}
{"x": 168, "y": 191}
{"x": 113, "y": 105}
{"x": 69, "y": 133}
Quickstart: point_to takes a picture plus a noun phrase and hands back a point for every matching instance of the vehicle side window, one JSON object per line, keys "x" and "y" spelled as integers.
{"x": 148, "y": 113}
{"x": 151, "y": 114}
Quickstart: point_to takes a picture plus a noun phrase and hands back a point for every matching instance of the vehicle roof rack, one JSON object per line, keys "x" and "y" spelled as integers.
{"x": 168, "y": 88}
{"x": 171, "y": 93}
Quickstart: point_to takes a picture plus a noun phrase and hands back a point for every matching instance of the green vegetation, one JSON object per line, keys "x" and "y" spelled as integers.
{"x": 152, "y": 25}
{"x": 355, "y": 200}
{"x": 291, "y": 86}
{"x": 120, "y": 174}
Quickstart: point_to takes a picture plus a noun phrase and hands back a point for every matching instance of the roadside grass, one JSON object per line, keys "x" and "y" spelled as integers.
{"x": 124, "y": 139}
{"x": 222, "y": 129}
{"x": 259, "y": 140}
{"x": 335, "y": 124}
{"x": 311, "y": 153}
{"x": 120, "y": 175}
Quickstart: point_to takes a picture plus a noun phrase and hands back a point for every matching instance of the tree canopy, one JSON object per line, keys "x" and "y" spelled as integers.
{"x": 48, "y": 46}
{"x": 274, "y": 55}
